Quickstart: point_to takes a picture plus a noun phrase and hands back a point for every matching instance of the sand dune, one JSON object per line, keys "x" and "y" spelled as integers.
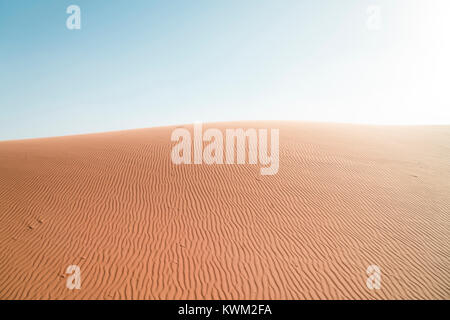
{"x": 345, "y": 197}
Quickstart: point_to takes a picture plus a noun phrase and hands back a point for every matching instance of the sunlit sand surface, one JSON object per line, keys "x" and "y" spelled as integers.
{"x": 345, "y": 197}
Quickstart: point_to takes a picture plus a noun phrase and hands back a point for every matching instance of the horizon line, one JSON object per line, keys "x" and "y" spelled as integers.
{"x": 364, "y": 124}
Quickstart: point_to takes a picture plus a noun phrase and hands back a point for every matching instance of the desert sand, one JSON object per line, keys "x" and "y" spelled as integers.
{"x": 345, "y": 197}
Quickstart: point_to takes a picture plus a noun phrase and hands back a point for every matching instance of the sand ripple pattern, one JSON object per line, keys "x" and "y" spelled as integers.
{"x": 345, "y": 197}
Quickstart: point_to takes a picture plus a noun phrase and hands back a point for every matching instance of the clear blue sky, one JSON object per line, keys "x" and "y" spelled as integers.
{"x": 137, "y": 64}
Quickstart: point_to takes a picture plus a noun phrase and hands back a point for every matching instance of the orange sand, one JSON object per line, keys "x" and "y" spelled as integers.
{"x": 139, "y": 227}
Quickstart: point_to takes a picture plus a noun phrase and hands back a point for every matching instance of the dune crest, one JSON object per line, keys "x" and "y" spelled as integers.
{"x": 345, "y": 197}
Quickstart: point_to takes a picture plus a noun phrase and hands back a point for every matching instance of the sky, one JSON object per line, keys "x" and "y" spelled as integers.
{"x": 145, "y": 63}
